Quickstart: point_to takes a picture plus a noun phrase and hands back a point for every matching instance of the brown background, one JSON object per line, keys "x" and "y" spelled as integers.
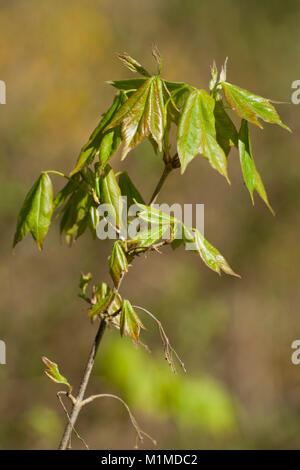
{"x": 241, "y": 389}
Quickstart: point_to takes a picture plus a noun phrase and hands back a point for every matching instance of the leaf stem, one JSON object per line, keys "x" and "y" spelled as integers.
{"x": 160, "y": 184}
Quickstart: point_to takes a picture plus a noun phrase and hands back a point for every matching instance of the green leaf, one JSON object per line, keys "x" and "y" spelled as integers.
{"x": 150, "y": 237}
{"x": 93, "y": 219}
{"x": 251, "y": 176}
{"x": 141, "y": 115}
{"x": 102, "y": 291}
{"x": 174, "y": 87}
{"x": 129, "y": 189}
{"x": 100, "y": 306}
{"x": 130, "y": 323}
{"x": 63, "y": 194}
{"x": 226, "y": 132}
{"x": 154, "y": 216}
{"x": 111, "y": 194}
{"x": 35, "y": 214}
{"x": 211, "y": 256}
{"x": 118, "y": 264}
{"x": 53, "y": 373}
{"x": 197, "y": 134}
{"x": 133, "y": 64}
{"x": 75, "y": 215}
{"x": 249, "y": 106}
{"x": 106, "y": 142}
{"x": 131, "y": 84}
{"x": 84, "y": 282}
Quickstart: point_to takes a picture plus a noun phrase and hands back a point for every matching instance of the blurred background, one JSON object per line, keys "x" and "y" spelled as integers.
{"x": 241, "y": 389}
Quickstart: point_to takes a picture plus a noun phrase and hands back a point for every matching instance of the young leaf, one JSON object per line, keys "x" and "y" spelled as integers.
{"x": 226, "y": 132}
{"x": 35, "y": 214}
{"x": 150, "y": 237}
{"x": 197, "y": 134}
{"x": 154, "y": 216}
{"x": 141, "y": 115}
{"x": 211, "y": 256}
{"x": 93, "y": 219}
{"x": 133, "y": 64}
{"x": 84, "y": 282}
{"x": 251, "y": 176}
{"x": 111, "y": 194}
{"x": 53, "y": 373}
{"x": 63, "y": 194}
{"x": 100, "y": 306}
{"x": 130, "y": 323}
{"x": 118, "y": 264}
{"x": 106, "y": 142}
{"x": 131, "y": 84}
{"x": 249, "y": 106}
{"x": 128, "y": 189}
{"x": 76, "y": 213}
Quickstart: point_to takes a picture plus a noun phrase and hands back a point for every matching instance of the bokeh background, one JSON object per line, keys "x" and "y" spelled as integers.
{"x": 241, "y": 389}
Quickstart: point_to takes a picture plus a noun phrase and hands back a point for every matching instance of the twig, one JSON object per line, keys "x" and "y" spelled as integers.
{"x": 91, "y": 360}
{"x": 139, "y": 431}
{"x": 160, "y": 184}
{"x": 168, "y": 349}
{"x": 68, "y": 416}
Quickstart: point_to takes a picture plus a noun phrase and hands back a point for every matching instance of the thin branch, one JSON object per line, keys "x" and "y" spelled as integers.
{"x": 139, "y": 431}
{"x": 168, "y": 349}
{"x": 68, "y": 416}
{"x": 91, "y": 360}
{"x": 85, "y": 379}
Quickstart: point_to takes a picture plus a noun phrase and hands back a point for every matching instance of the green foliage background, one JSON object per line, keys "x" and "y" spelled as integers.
{"x": 241, "y": 390}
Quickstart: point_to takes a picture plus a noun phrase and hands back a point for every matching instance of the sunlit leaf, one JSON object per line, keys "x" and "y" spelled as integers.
{"x": 84, "y": 282}
{"x": 211, "y": 256}
{"x": 249, "y": 106}
{"x": 141, "y": 115}
{"x": 36, "y": 212}
{"x": 100, "y": 306}
{"x": 102, "y": 141}
{"x": 130, "y": 323}
{"x": 197, "y": 133}
{"x": 118, "y": 264}
{"x": 150, "y": 237}
{"x": 251, "y": 176}
{"x": 93, "y": 219}
{"x": 133, "y": 64}
{"x": 53, "y": 372}
{"x": 131, "y": 84}
{"x": 154, "y": 216}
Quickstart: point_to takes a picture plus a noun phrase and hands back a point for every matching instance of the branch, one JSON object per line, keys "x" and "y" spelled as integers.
{"x": 77, "y": 403}
{"x": 139, "y": 431}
